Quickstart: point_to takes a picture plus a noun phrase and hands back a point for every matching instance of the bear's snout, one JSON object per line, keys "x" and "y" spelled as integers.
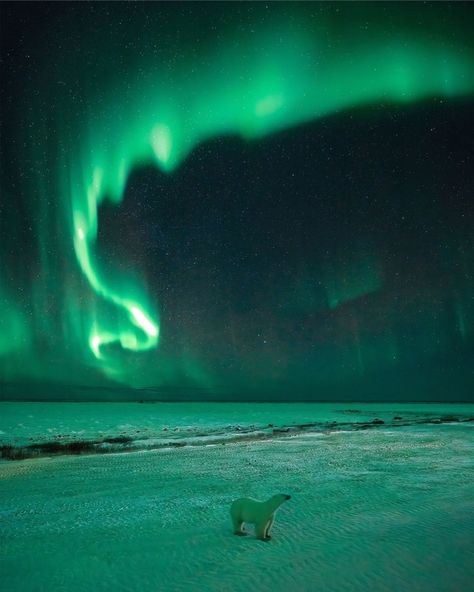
{"x": 287, "y": 496}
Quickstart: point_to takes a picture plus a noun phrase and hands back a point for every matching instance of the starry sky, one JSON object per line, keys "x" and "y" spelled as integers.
{"x": 237, "y": 201}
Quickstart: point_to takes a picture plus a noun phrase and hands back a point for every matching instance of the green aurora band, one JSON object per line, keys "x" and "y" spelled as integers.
{"x": 144, "y": 110}
{"x": 275, "y": 89}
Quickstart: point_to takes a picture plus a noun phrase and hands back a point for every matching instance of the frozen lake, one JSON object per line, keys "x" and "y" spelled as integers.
{"x": 383, "y": 507}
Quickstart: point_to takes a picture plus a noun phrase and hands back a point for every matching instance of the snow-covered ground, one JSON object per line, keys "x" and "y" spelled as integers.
{"x": 377, "y": 509}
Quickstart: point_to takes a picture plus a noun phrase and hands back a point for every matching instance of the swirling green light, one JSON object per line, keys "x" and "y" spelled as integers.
{"x": 287, "y": 77}
{"x": 85, "y": 225}
{"x": 133, "y": 99}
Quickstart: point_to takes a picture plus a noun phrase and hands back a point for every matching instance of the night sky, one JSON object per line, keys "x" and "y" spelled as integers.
{"x": 237, "y": 201}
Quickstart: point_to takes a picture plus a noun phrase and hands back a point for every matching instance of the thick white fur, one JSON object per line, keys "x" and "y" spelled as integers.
{"x": 261, "y": 514}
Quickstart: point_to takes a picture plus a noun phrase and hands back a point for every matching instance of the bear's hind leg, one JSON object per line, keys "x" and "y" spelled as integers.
{"x": 238, "y": 527}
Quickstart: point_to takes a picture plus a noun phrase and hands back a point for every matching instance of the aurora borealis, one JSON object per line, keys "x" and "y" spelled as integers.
{"x": 238, "y": 200}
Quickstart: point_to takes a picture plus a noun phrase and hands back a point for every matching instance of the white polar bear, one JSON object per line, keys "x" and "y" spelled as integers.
{"x": 261, "y": 514}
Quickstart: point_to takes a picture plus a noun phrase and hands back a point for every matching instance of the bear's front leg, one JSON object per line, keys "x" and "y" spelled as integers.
{"x": 268, "y": 526}
{"x": 261, "y": 530}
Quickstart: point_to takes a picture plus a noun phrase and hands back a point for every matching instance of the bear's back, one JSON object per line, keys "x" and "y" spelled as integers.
{"x": 246, "y": 509}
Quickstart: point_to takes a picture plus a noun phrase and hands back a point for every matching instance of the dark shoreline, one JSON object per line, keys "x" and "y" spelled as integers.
{"x": 247, "y": 402}
{"x": 231, "y": 434}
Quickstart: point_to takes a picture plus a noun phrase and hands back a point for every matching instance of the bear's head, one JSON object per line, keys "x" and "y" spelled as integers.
{"x": 279, "y": 498}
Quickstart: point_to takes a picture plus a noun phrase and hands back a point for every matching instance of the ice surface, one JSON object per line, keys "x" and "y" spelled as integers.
{"x": 383, "y": 509}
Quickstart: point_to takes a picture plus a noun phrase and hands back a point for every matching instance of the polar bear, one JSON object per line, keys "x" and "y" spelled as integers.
{"x": 261, "y": 514}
